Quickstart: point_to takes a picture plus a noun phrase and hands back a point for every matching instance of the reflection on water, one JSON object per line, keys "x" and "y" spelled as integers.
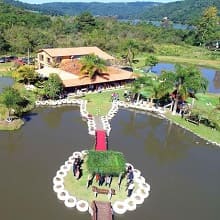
{"x": 184, "y": 175}
{"x": 217, "y": 80}
{"x": 210, "y": 74}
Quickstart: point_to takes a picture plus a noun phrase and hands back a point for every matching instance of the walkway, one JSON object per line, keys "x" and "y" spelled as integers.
{"x": 101, "y": 210}
{"x": 98, "y": 123}
{"x": 101, "y": 140}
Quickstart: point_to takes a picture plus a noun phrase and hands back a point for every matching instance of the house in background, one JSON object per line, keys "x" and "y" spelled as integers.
{"x": 66, "y": 63}
{"x": 52, "y": 57}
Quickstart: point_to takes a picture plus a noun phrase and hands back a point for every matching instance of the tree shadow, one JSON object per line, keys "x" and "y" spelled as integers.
{"x": 29, "y": 116}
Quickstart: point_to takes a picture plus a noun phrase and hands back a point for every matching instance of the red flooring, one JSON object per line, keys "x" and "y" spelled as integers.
{"x": 101, "y": 140}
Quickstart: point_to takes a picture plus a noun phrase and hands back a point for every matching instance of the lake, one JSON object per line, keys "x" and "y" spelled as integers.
{"x": 5, "y": 81}
{"x": 182, "y": 169}
{"x": 212, "y": 75}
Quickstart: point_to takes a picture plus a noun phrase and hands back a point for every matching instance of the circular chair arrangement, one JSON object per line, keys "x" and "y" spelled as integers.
{"x": 82, "y": 205}
{"x": 119, "y": 207}
{"x": 130, "y": 204}
{"x": 70, "y": 201}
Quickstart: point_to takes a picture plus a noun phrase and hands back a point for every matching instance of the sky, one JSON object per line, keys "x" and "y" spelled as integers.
{"x": 45, "y": 1}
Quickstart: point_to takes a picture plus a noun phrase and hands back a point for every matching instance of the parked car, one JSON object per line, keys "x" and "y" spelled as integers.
{"x": 27, "y": 60}
{"x": 2, "y": 60}
{"x": 12, "y": 58}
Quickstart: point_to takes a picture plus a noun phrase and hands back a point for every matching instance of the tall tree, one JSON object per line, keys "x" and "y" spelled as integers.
{"x": 85, "y": 22}
{"x": 151, "y": 61}
{"x": 184, "y": 81}
{"x": 11, "y": 98}
{"x": 130, "y": 47}
{"x": 93, "y": 66}
{"x": 25, "y": 74}
{"x": 208, "y": 25}
{"x": 53, "y": 86}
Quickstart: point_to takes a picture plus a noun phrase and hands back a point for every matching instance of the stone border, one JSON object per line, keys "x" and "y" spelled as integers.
{"x": 119, "y": 207}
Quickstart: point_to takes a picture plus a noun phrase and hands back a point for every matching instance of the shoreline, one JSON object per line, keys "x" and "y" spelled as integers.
{"x": 154, "y": 111}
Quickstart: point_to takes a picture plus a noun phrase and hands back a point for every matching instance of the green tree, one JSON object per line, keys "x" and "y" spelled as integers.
{"x": 85, "y": 22}
{"x": 25, "y": 74}
{"x": 11, "y": 98}
{"x": 184, "y": 81}
{"x": 147, "y": 86}
{"x": 151, "y": 61}
{"x": 93, "y": 66}
{"x": 131, "y": 48}
{"x": 53, "y": 86}
{"x": 207, "y": 26}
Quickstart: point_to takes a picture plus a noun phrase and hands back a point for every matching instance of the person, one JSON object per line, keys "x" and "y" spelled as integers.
{"x": 77, "y": 172}
{"x": 101, "y": 180}
{"x": 108, "y": 180}
{"x": 89, "y": 180}
{"x": 130, "y": 188}
{"x": 130, "y": 175}
{"x": 109, "y": 194}
{"x": 97, "y": 177}
{"x": 120, "y": 180}
{"x": 75, "y": 164}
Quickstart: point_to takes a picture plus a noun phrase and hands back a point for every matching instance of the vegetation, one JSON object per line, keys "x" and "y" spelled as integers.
{"x": 71, "y": 184}
{"x": 100, "y": 103}
{"x": 201, "y": 130}
{"x": 187, "y": 11}
{"x": 185, "y": 81}
{"x": 105, "y": 162}
{"x": 53, "y": 86}
{"x": 121, "y": 10}
{"x": 93, "y": 66}
{"x": 123, "y": 39}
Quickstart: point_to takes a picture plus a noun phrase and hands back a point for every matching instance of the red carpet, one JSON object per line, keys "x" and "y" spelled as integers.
{"x": 101, "y": 142}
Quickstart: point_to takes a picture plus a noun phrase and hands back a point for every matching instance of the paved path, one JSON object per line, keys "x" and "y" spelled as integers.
{"x": 98, "y": 123}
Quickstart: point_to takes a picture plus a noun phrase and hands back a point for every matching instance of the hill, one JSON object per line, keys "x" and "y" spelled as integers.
{"x": 186, "y": 11}
{"x": 130, "y": 10}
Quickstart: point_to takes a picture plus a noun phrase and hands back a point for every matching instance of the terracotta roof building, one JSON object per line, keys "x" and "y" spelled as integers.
{"x": 68, "y": 68}
{"x": 54, "y": 56}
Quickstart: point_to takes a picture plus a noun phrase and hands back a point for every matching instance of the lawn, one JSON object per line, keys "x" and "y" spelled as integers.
{"x": 5, "y": 69}
{"x": 100, "y": 103}
{"x": 78, "y": 188}
{"x": 184, "y": 55}
{"x": 201, "y": 130}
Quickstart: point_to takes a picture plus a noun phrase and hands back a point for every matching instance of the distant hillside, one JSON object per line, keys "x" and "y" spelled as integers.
{"x": 130, "y": 10}
{"x": 11, "y": 16}
{"x": 185, "y": 11}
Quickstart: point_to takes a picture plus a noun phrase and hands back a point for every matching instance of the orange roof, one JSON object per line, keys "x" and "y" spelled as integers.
{"x": 115, "y": 74}
{"x": 77, "y": 51}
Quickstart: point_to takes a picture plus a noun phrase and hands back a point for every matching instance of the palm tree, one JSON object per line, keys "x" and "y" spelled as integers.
{"x": 148, "y": 86}
{"x": 93, "y": 66}
{"x": 184, "y": 81}
{"x": 25, "y": 74}
{"x": 131, "y": 47}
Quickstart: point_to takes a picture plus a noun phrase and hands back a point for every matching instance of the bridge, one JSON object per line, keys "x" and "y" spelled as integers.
{"x": 101, "y": 140}
{"x": 101, "y": 210}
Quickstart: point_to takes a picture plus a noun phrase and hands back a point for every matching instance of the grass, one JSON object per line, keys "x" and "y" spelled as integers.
{"x": 201, "y": 130}
{"x": 183, "y": 54}
{"x": 5, "y": 69}
{"x": 14, "y": 125}
{"x": 205, "y": 102}
{"x": 100, "y": 103}
{"x": 78, "y": 188}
